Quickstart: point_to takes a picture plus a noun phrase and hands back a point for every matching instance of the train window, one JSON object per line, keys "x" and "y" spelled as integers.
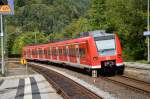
{"x": 48, "y": 52}
{"x": 77, "y": 52}
{"x": 72, "y": 52}
{"x": 65, "y": 52}
{"x": 36, "y": 51}
{"x": 54, "y": 53}
{"x": 45, "y": 52}
{"x": 32, "y": 52}
{"x": 28, "y": 52}
{"x": 82, "y": 52}
{"x": 60, "y": 52}
{"x": 106, "y": 47}
{"x": 69, "y": 52}
{"x": 40, "y": 51}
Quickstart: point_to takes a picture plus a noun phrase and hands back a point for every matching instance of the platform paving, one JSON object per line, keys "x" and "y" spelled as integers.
{"x": 137, "y": 65}
{"x": 32, "y": 86}
{"x": 137, "y": 71}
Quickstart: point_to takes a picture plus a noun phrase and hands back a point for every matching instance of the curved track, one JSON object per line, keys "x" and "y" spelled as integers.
{"x": 65, "y": 86}
{"x": 133, "y": 84}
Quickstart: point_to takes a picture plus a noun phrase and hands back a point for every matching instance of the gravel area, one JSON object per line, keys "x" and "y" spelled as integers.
{"x": 118, "y": 91}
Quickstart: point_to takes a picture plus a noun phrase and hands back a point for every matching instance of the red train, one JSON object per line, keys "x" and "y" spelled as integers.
{"x": 93, "y": 51}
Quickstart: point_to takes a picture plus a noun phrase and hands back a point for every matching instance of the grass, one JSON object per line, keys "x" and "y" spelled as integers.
{"x": 137, "y": 61}
{"x": 142, "y": 61}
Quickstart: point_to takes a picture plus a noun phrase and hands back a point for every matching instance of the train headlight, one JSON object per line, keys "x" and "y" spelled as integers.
{"x": 119, "y": 55}
{"x": 95, "y": 58}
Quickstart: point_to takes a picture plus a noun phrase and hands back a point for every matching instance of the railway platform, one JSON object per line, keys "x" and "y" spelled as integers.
{"x": 138, "y": 71}
{"x": 33, "y": 86}
{"x": 137, "y": 65}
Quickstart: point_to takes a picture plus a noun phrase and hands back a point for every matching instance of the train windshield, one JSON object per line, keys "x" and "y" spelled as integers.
{"x": 106, "y": 47}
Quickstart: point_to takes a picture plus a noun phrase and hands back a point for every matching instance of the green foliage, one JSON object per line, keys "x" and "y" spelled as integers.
{"x": 44, "y": 16}
{"x": 127, "y": 18}
{"x": 67, "y": 18}
{"x": 26, "y": 39}
{"x": 49, "y": 16}
{"x": 97, "y": 14}
{"x": 77, "y": 26}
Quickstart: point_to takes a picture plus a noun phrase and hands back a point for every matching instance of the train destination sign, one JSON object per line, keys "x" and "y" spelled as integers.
{"x": 146, "y": 33}
{"x": 7, "y": 7}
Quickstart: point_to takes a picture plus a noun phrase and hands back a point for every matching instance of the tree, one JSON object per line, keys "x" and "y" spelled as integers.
{"x": 26, "y": 39}
{"x": 127, "y": 17}
{"x": 97, "y": 14}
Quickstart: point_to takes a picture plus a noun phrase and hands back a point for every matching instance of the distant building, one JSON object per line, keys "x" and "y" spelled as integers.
{"x": 3, "y": 2}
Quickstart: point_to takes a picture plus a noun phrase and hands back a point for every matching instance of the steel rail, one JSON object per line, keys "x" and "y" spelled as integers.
{"x": 133, "y": 84}
{"x": 65, "y": 86}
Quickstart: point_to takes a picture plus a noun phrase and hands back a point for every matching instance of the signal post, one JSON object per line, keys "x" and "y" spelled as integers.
{"x": 6, "y": 8}
{"x": 24, "y": 62}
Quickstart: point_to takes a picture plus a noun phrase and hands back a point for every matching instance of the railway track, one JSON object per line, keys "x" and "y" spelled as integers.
{"x": 65, "y": 86}
{"x": 133, "y": 84}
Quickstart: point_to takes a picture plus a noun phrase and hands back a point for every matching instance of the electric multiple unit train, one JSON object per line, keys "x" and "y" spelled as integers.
{"x": 94, "y": 51}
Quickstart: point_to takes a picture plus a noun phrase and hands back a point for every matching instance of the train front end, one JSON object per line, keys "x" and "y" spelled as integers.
{"x": 109, "y": 53}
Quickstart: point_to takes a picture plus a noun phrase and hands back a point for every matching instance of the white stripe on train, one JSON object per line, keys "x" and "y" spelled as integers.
{"x": 77, "y": 65}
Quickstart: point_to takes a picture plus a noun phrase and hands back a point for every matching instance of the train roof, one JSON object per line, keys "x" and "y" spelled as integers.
{"x": 99, "y": 33}
{"x": 85, "y": 35}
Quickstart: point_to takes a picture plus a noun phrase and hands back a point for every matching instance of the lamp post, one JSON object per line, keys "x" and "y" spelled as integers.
{"x": 2, "y": 45}
{"x": 148, "y": 31}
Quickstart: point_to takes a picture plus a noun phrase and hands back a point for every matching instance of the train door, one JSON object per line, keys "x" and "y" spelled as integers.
{"x": 38, "y": 53}
{"x": 64, "y": 52}
{"x": 26, "y": 53}
{"x": 60, "y": 53}
{"x": 29, "y": 54}
{"x": 84, "y": 54}
{"x": 54, "y": 53}
{"x": 50, "y": 53}
{"x": 33, "y": 55}
{"x": 72, "y": 54}
{"x": 45, "y": 53}
{"x": 77, "y": 54}
{"x": 57, "y": 55}
{"x": 67, "y": 49}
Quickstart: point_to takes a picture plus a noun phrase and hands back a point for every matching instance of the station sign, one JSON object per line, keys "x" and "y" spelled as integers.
{"x": 146, "y": 33}
{"x": 7, "y": 7}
